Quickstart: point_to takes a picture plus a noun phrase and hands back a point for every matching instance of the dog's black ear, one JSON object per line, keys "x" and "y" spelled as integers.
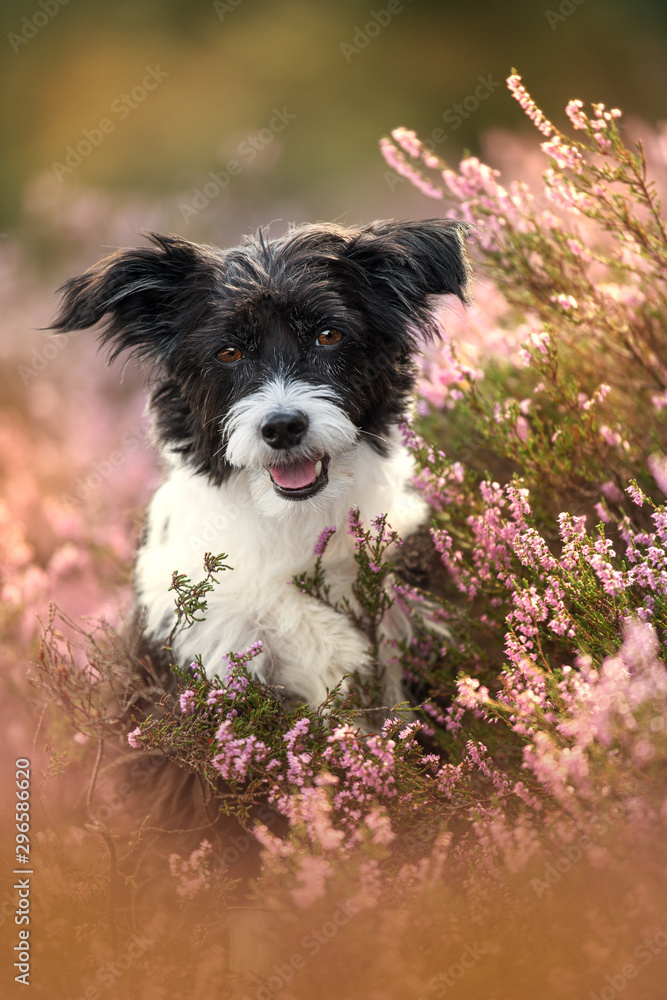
{"x": 406, "y": 262}
{"x": 150, "y": 295}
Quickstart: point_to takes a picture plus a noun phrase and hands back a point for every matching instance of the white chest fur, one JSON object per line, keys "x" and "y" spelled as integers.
{"x": 308, "y": 647}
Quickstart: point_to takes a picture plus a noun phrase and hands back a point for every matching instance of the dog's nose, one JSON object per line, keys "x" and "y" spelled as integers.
{"x": 284, "y": 430}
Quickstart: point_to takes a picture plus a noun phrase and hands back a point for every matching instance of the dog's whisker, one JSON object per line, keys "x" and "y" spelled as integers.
{"x": 211, "y": 419}
{"x": 371, "y": 434}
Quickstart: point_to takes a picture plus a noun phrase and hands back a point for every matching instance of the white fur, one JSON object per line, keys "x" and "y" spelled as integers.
{"x": 329, "y": 431}
{"x": 308, "y": 647}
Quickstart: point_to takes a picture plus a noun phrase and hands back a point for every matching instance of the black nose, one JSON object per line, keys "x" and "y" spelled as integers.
{"x": 284, "y": 430}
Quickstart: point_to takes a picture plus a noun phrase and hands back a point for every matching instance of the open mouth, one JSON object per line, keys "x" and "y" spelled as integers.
{"x": 302, "y": 479}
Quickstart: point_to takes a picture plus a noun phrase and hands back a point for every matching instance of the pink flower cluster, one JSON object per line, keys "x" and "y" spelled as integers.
{"x": 187, "y": 701}
{"x": 520, "y": 94}
{"x": 237, "y": 755}
{"x": 323, "y": 540}
{"x": 194, "y": 873}
{"x": 395, "y": 159}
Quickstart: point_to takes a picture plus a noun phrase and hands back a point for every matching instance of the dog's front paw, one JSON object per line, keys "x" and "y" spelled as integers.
{"x": 314, "y": 649}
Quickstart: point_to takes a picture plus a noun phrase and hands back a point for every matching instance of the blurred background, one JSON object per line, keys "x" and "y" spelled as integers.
{"x": 342, "y": 72}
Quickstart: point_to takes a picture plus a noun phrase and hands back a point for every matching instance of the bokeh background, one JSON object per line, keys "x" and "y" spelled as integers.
{"x": 229, "y": 64}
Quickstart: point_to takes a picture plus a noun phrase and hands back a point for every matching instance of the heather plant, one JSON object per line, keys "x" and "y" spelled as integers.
{"x": 538, "y": 445}
{"x": 234, "y": 727}
{"x": 581, "y": 268}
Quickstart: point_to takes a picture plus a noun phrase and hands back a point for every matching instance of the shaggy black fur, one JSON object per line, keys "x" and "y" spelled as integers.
{"x": 176, "y": 304}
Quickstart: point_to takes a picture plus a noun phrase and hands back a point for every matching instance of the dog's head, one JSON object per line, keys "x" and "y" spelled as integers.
{"x": 277, "y": 356}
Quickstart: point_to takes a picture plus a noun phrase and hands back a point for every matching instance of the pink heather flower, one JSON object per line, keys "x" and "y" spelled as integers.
{"x": 541, "y": 341}
{"x": 274, "y": 847}
{"x": 397, "y": 161}
{"x": 578, "y": 249}
{"x": 430, "y": 159}
{"x": 566, "y": 302}
{"x": 312, "y": 873}
{"x": 635, "y": 494}
{"x": 520, "y": 94}
{"x": 522, "y": 429}
{"x": 435, "y": 713}
{"x": 611, "y": 491}
{"x": 408, "y": 141}
{"x": 321, "y": 543}
{"x": 612, "y": 438}
{"x": 187, "y": 701}
{"x": 468, "y": 695}
{"x": 565, "y": 194}
{"x": 371, "y": 886}
{"x": 298, "y": 771}
{"x": 134, "y": 737}
{"x": 193, "y": 873}
{"x": 565, "y": 157}
{"x": 237, "y": 754}
{"x": 379, "y": 823}
{"x": 602, "y": 513}
{"x": 240, "y": 657}
{"x": 576, "y": 115}
{"x": 409, "y": 732}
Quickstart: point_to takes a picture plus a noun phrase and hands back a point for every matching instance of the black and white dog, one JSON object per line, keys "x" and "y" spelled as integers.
{"x": 279, "y": 371}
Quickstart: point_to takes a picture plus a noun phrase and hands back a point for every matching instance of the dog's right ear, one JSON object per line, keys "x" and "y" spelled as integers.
{"x": 150, "y": 294}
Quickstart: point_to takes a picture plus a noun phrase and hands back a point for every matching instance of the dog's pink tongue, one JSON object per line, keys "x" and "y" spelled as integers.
{"x": 294, "y": 476}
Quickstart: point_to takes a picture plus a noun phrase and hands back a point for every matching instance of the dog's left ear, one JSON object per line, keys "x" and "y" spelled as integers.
{"x": 406, "y": 262}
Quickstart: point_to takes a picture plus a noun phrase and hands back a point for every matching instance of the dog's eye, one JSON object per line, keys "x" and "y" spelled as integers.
{"x": 329, "y": 338}
{"x": 229, "y": 355}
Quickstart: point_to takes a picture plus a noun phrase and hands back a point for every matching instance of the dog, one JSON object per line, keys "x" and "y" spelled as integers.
{"x": 279, "y": 372}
